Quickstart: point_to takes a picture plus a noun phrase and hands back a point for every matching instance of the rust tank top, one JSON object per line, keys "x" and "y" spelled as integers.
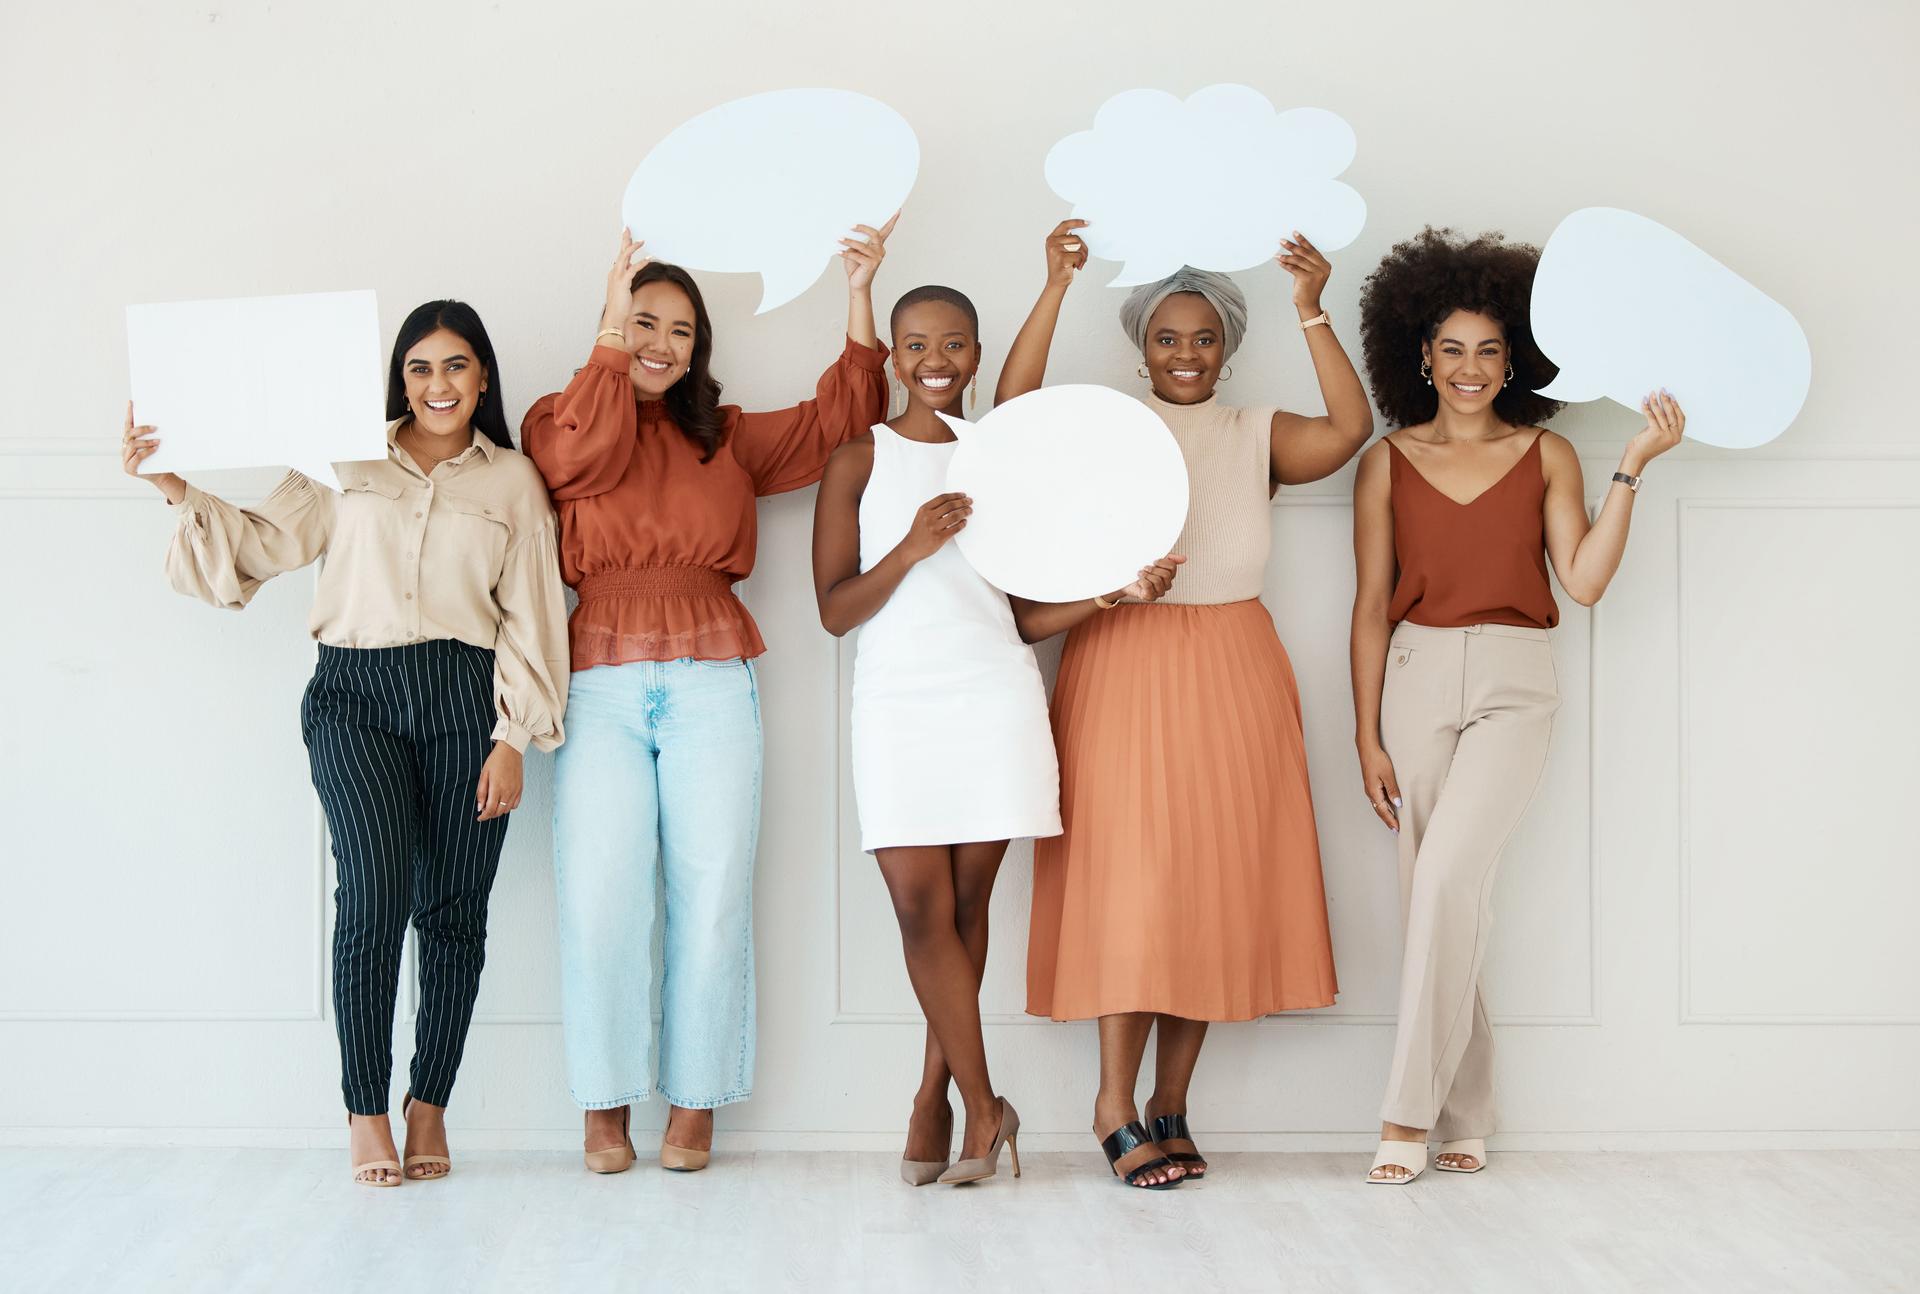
{"x": 1478, "y": 563}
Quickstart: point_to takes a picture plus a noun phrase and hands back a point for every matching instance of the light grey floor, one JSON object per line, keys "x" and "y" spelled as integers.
{"x": 290, "y": 1220}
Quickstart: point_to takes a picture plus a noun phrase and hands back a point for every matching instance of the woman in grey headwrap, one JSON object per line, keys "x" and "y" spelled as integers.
{"x": 1186, "y": 885}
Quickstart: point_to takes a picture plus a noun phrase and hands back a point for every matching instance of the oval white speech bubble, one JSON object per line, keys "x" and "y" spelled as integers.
{"x": 1625, "y": 306}
{"x": 1249, "y": 176}
{"x": 1074, "y": 488}
{"x": 770, "y": 184}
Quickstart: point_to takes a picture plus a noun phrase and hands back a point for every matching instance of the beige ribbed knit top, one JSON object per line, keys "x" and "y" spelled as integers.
{"x": 1229, "y": 530}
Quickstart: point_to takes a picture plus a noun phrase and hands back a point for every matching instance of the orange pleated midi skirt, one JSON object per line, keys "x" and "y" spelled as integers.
{"x": 1187, "y": 877}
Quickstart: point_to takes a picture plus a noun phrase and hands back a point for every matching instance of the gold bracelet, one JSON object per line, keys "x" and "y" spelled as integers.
{"x": 1100, "y": 600}
{"x": 609, "y": 332}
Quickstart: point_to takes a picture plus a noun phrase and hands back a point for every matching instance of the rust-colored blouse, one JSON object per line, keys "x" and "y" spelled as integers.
{"x": 1478, "y": 563}
{"x": 653, "y": 539}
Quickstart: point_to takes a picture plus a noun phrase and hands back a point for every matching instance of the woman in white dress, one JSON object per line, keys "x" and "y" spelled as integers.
{"x": 952, "y": 749}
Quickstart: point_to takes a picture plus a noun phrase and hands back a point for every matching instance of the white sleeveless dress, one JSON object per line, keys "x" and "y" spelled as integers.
{"x": 951, "y": 738}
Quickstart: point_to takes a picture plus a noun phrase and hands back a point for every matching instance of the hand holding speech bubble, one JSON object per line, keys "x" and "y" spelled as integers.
{"x": 259, "y": 382}
{"x": 1249, "y": 176}
{"x": 1075, "y": 489}
{"x": 770, "y": 184}
{"x": 1625, "y": 306}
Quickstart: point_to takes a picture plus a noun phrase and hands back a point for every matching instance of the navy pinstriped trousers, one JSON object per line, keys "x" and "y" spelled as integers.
{"x": 396, "y": 737}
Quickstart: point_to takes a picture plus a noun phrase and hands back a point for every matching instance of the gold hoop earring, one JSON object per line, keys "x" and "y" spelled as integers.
{"x": 1226, "y": 373}
{"x": 1509, "y": 380}
{"x": 1142, "y": 370}
{"x": 1426, "y": 371}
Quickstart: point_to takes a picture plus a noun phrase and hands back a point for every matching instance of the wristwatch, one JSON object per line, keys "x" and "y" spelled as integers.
{"x": 1631, "y": 482}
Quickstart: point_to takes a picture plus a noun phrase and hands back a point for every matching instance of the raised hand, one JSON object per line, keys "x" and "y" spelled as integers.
{"x": 1666, "y": 424}
{"x": 136, "y": 446}
{"x": 1310, "y": 270}
{"x": 1066, "y": 253}
{"x": 863, "y": 256}
{"x": 938, "y": 520}
{"x": 629, "y": 261}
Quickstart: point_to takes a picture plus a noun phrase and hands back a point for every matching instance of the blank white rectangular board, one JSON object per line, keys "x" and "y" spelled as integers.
{"x": 259, "y": 382}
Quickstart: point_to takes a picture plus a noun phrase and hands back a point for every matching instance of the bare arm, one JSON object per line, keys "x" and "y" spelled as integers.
{"x": 1585, "y": 556}
{"x": 1374, "y": 572}
{"x": 1026, "y": 365}
{"x": 1038, "y": 621}
{"x": 1309, "y": 449}
{"x": 863, "y": 256}
{"x": 848, "y": 596}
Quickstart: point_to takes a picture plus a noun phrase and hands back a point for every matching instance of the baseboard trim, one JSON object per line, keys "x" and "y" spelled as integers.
{"x": 546, "y": 1139}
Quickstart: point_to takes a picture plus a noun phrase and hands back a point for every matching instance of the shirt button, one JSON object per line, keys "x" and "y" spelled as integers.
{"x": 409, "y": 556}
{"x": 409, "y": 597}
{"x": 418, "y": 515}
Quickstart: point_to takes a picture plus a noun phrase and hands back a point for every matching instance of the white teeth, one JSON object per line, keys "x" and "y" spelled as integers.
{"x": 936, "y": 383}
{"x": 1186, "y": 372}
{"x": 654, "y": 366}
{"x": 1468, "y": 390}
{"x": 441, "y": 406}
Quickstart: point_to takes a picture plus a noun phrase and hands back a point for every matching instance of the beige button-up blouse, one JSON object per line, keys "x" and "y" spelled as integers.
{"x": 466, "y": 553}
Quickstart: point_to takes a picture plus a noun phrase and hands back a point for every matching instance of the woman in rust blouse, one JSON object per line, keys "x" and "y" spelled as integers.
{"x": 1457, "y": 515}
{"x": 654, "y": 481}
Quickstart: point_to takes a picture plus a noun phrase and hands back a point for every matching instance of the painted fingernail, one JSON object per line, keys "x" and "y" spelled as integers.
{"x": 1396, "y": 801}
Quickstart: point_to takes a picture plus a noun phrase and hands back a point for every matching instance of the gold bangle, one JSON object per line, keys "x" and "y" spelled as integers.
{"x": 1100, "y": 600}
{"x": 609, "y": 332}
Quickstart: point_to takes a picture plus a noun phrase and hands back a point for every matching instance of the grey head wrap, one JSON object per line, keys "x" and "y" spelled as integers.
{"x": 1218, "y": 289}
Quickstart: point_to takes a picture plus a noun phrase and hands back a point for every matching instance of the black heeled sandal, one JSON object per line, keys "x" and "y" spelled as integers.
{"x": 1123, "y": 1141}
{"x": 1173, "y": 1127}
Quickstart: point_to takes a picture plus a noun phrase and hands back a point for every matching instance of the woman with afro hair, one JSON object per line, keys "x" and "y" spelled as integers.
{"x": 1457, "y": 514}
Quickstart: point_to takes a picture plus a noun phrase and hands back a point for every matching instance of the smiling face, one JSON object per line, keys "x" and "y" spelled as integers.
{"x": 935, "y": 354}
{"x": 444, "y": 382}
{"x": 1469, "y": 357}
{"x": 1184, "y": 337}
{"x": 660, "y": 332}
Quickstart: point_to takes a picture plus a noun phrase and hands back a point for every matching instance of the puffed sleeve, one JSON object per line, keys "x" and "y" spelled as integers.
{"x": 222, "y": 554}
{"x": 530, "y": 661}
{"x": 788, "y": 448}
{"x": 582, "y": 438}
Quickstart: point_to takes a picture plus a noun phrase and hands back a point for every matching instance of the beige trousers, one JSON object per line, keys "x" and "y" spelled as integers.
{"x": 1465, "y": 716}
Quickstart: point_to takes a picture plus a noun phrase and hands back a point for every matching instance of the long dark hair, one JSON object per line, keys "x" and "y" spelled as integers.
{"x": 694, "y": 401}
{"x": 461, "y": 319}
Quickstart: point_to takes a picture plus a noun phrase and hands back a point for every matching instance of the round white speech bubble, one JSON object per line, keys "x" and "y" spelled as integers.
{"x": 1074, "y": 488}
{"x": 1626, "y": 306}
{"x": 1249, "y": 176}
{"x": 770, "y": 184}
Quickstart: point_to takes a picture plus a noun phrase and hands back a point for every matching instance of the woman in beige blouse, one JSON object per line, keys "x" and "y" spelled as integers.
{"x": 443, "y": 652}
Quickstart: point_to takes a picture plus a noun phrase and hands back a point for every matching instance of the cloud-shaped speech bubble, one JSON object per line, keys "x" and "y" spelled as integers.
{"x": 1625, "y": 305}
{"x": 1075, "y": 488}
{"x": 770, "y": 184}
{"x": 1249, "y": 176}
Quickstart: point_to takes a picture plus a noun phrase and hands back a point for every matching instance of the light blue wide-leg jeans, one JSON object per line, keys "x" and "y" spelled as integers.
{"x": 656, "y": 818}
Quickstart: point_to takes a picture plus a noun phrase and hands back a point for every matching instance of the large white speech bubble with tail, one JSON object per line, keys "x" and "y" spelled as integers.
{"x": 259, "y": 382}
{"x": 1626, "y": 306}
{"x": 1074, "y": 488}
{"x": 770, "y": 184}
{"x": 1243, "y": 177}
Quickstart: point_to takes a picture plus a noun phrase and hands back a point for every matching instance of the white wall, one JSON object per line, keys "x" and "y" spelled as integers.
{"x": 1705, "y": 924}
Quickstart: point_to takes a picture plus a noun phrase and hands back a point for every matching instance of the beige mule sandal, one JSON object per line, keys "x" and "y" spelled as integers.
{"x": 1410, "y": 1155}
{"x": 1474, "y": 1149}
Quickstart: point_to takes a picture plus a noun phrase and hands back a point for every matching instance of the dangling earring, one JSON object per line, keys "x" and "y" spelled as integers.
{"x": 973, "y": 392}
{"x": 1226, "y": 374}
{"x": 1509, "y": 381}
{"x": 1142, "y": 370}
{"x": 1426, "y": 371}
{"x": 481, "y": 403}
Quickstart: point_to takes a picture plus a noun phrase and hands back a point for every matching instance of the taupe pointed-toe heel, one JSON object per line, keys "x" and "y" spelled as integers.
{"x": 921, "y": 1172}
{"x": 615, "y": 1159}
{"x": 977, "y": 1170}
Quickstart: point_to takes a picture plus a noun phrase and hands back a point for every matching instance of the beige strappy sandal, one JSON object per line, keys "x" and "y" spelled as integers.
{"x": 1474, "y": 1148}
{"x": 1410, "y": 1155}
{"x": 399, "y": 1174}
{"x": 406, "y": 1104}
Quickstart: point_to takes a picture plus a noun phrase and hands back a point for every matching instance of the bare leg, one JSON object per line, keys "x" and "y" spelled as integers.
{"x": 1177, "y": 1053}
{"x": 1123, "y": 1041}
{"x": 975, "y": 868}
{"x": 921, "y": 882}
{"x": 605, "y": 1129}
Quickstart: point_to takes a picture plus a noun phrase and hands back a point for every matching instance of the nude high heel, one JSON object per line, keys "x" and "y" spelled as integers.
{"x": 391, "y": 1166}
{"x": 976, "y": 1170}
{"x": 406, "y": 1103}
{"x": 1410, "y": 1155}
{"x": 615, "y": 1159}
{"x": 1475, "y": 1147}
{"x": 682, "y": 1159}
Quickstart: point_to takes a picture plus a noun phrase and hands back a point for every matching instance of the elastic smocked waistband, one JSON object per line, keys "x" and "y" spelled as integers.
{"x": 1528, "y": 632}
{"x": 412, "y": 654}
{"x": 655, "y": 582}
